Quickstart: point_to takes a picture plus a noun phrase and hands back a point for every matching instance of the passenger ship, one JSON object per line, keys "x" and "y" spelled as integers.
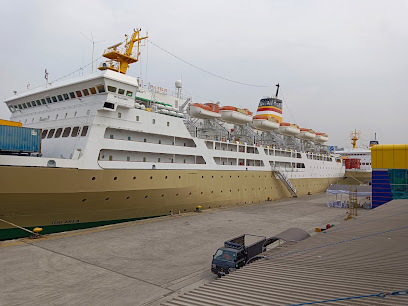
{"x": 114, "y": 150}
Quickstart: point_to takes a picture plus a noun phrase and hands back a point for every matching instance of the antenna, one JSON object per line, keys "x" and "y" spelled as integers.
{"x": 93, "y": 45}
{"x": 277, "y": 90}
{"x": 46, "y": 78}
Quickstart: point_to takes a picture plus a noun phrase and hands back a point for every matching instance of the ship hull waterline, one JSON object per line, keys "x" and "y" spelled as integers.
{"x": 58, "y": 199}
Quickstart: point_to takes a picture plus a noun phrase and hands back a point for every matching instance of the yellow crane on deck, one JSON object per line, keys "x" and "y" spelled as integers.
{"x": 119, "y": 59}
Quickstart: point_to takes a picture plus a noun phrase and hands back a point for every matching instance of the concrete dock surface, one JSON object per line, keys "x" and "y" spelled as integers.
{"x": 143, "y": 262}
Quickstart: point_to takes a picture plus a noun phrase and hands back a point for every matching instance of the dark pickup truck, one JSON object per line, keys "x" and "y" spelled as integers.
{"x": 236, "y": 253}
{"x": 241, "y": 250}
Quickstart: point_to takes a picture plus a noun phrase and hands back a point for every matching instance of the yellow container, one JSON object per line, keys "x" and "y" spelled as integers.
{"x": 10, "y": 123}
{"x": 389, "y": 156}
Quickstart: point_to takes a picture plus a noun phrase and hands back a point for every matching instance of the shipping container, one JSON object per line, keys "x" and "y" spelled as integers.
{"x": 352, "y": 163}
{"x": 10, "y": 123}
{"x": 15, "y": 139}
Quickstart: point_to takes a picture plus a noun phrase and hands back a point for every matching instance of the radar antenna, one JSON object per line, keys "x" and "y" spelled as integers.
{"x": 120, "y": 59}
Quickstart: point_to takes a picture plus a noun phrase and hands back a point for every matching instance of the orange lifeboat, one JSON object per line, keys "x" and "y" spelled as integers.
{"x": 306, "y": 134}
{"x": 265, "y": 123}
{"x": 235, "y": 115}
{"x": 321, "y": 137}
{"x": 204, "y": 111}
{"x": 288, "y": 129}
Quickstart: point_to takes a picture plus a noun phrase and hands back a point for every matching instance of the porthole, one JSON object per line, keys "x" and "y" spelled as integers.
{"x": 230, "y": 190}
{"x": 184, "y": 209}
{"x": 212, "y": 176}
{"x": 165, "y": 177}
{"x": 93, "y": 178}
{"x": 134, "y": 177}
{"x": 162, "y": 195}
{"x": 230, "y": 176}
{"x": 176, "y": 194}
{"x": 202, "y": 176}
{"x": 151, "y": 177}
{"x": 221, "y": 191}
{"x": 212, "y": 191}
{"x": 83, "y": 200}
{"x": 201, "y": 192}
{"x": 127, "y": 198}
{"x": 179, "y": 177}
{"x": 189, "y": 193}
{"x": 107, "y": 199}
{"x": 115, "y": 178}
{"x": 146, "y": 197}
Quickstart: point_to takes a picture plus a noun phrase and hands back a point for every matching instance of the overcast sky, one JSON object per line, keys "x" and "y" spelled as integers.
{"x": 342, "y": 65}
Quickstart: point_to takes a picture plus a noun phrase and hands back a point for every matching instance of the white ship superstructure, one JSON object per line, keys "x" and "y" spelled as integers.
{"x": 107, "y": 121}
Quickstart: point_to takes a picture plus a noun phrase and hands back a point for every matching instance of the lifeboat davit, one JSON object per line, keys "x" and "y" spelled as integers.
{"x": 321, "y": 137}
{"x": 204, "y": 111}
{"x": 235, "y": 115}
{"x": 288, "y": 129}
{"x": 306, "y": 134}
{"x": 265, "y": 123}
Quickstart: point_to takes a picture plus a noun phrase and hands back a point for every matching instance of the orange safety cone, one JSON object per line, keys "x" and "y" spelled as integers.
{"x": 171, "y": 213}
{"x": 179, "y": 213}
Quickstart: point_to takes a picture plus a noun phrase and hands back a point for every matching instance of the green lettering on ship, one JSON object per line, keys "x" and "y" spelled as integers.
{"x": 14, "y": 233}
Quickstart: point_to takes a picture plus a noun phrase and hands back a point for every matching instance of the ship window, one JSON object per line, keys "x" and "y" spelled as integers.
{"x": 38, "y": 102}
{"x": 168, "y": 123}
{"x": 121, "y": 91}
{"x": 60, "y": 98}
{"x": 158, "y": 160}
{"x": 119, "y": 115}
{"x": 43, "y": 101}
{"x": 54, "y": 99}
{"x": 58, "y": 133}
{"x": 111, "y": 136}
{"x": 129, "y": 93}
{"x": 11, "y": 108}
{"x": 66, "y": 97}
{"x": 86, "y": 92}
{"x": 84, "y": 130}
{"x": 29, "y": 104}
{"x": 144, "y": 140}
{"x": 92, "y": 90}
{"x": 20, "y": 107}
{"x": 154, "y": 121}
{"x": 33, "y": 103}
{"x": 48, "y": 100}
{"x": 137, "y": 118}
{"x": 159, "y": 141}
{"x": 24, "y": 105}
{"x": 78, "y": 93}
{"x": 110, "y": 157}
{"x": 44, "y": 133}
{"x": 51, "y": 133}
{"x": 129, "y": 138}
{"x": 66, "y": 132}
{"x": 128, "y": 158}
{"x": 144, "y": 159}
{"x": 101, "y": 88}
{"x": 72, "y": 95}
{"x": 109, "y": 105}
{"x": 75, "y": 131}
{"x": 111, "y": 89}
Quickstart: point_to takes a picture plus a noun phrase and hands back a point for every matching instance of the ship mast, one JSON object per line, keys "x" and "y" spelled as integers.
{"x": 354, "y": 137}
{"x": 120, "y": 59}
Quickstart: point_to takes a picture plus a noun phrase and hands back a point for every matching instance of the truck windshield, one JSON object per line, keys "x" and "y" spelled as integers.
{"x": 225, "y": 255}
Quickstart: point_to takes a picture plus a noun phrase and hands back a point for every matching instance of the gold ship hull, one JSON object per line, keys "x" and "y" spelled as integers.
{"x": 59, "y": 199}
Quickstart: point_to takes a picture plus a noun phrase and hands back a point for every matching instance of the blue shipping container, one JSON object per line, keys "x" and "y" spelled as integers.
{"x": 19, "y": 139}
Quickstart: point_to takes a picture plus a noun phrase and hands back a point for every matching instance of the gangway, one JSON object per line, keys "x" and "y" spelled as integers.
{"x": 279, "y": 175}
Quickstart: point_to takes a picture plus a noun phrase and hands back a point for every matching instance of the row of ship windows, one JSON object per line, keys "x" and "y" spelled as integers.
{"x": 71, "y": 95}
{"x": 319, "y": 157}
{"x": 65, "y": 132}
{"x": 366, "y": 164}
